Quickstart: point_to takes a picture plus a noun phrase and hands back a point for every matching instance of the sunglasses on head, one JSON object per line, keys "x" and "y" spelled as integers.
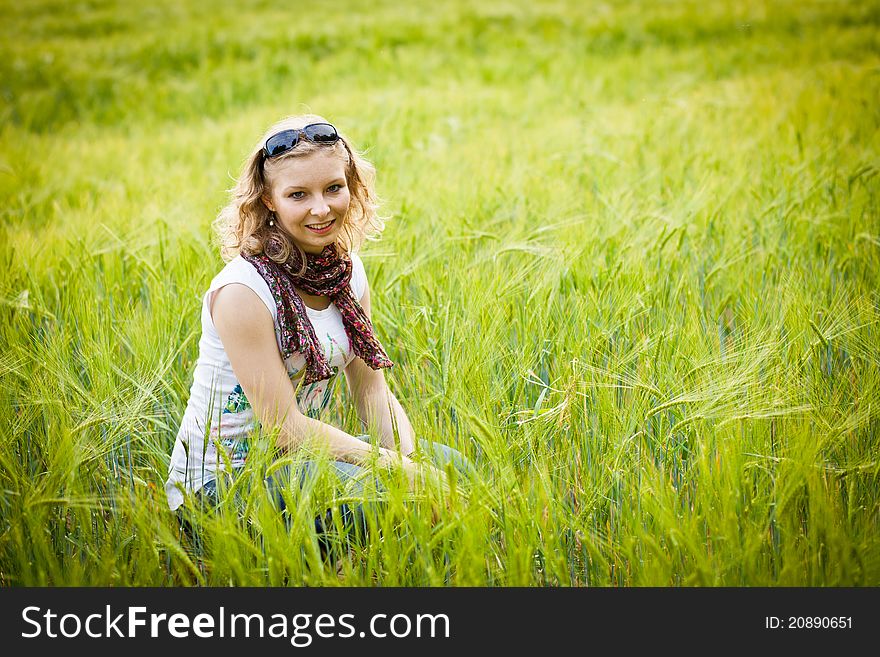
{"x": 318, "y": 133}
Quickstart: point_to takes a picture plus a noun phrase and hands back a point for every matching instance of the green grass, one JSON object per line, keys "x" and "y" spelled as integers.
{"x": 631, "y": 271}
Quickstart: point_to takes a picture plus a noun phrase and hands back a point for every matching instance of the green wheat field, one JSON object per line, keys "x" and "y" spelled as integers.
{"x": 631, "y": 270}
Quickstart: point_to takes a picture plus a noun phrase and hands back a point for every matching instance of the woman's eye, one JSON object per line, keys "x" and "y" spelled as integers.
{"x": 297, "y": 195}
{"x": 334, "y": 188}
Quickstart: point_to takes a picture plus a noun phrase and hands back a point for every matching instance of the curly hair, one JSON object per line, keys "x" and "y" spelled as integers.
{"x": 243, "y": 225}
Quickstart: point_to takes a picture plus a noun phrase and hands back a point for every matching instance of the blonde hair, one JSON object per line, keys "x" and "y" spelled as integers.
{"x": 242, "y": 226}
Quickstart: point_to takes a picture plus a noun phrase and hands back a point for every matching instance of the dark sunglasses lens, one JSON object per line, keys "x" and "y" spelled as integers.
{"x": 321, "y": 133}
{"x": 282, "y": 142}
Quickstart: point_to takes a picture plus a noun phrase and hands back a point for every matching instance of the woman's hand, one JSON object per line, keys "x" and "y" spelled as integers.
{"x": 423, "y": 474}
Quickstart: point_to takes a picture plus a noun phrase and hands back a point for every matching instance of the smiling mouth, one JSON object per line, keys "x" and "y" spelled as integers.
{"x": 320, "y": 229}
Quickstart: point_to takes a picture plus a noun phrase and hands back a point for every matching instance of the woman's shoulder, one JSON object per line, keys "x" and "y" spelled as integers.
{"x": 239, "y": 270}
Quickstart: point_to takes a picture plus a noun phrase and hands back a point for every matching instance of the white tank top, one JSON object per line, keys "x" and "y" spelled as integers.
{"x": 218, "y": 413}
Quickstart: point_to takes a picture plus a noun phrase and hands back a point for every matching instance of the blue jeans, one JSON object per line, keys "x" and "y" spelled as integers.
{"x": 352, "y": 478}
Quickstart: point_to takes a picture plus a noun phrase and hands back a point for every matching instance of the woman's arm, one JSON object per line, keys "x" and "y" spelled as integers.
{"x": 248, "y": 335}
{"x": 376, "y": 405}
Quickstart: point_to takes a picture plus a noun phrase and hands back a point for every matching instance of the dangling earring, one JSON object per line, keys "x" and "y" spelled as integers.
{"x": 271, "y": 219}
{"x": 271, "y": 223}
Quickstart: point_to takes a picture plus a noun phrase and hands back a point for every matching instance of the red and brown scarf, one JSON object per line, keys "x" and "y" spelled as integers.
{"x": 328, "y": 275}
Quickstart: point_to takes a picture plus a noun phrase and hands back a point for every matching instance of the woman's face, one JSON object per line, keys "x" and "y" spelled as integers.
{"x": 310, "y": 198}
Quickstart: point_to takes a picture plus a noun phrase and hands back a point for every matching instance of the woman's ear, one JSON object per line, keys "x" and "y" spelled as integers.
{"x": 267, "y": 201}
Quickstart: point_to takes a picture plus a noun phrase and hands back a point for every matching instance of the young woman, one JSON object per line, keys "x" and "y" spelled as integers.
{"x": 291, "y": 309}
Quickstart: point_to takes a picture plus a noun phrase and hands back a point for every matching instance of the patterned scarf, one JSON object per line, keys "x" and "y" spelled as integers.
{"x": 327, "y": 275}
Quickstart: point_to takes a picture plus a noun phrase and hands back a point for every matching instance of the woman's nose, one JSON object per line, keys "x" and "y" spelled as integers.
{"x": 320, "y": 207}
